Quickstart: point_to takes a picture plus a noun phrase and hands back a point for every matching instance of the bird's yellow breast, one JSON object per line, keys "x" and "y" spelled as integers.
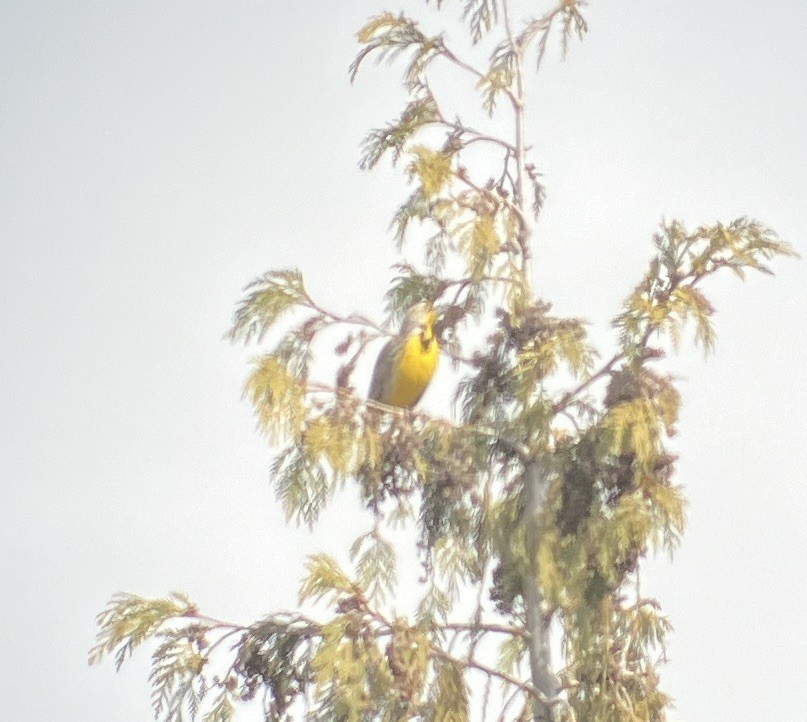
{"x": 414, "y": 370}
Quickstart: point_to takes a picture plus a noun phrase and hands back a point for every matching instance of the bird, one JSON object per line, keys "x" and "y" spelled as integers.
{"x": 407, "y": 362}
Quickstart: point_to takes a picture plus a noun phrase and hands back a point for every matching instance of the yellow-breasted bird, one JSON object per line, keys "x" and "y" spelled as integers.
{"x": 407, "y": 363}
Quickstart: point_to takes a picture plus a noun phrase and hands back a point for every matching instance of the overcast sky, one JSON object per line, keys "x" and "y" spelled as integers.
{"x": 155, "y": 156}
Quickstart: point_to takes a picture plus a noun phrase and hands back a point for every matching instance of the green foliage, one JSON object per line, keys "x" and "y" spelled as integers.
{"x": 416, "y": 208}
{"x": 410, "y": 287}
{"x": 612, "y": 678}
{"x": 176, "y": 678}
{"x": 668, "y": 296}
{"x": 274, "y": 655}
{"x": 449, "y": 462}
{"x": 512, "y": 653}
{"x": 387, "y": 36}
{"x": 129, "y": 620}
{"x": 268, "y": 298}
{"x": 303, "y": 486}
{"x": 524, "y": 350}
{"x": 431, "y": 168}
{"x": 481, "y": 15}
{"x": 420, "y": 112}
{"x": 434, "y": 607}
{"x": 375, "y": 567}
{"x": 455, "y": 564}
{"x": 480, "y": 243}
{"x": 451, "y": 699}
{"x": 179, "y": 676}
{"x": 532, "y": 395}
{"x": 497, "y": 80}
{"x": 294, "y": 350}
{"x": 500, "y": 76}
{"x": 278, "y": 398}
{"x": 325, "y": 580}
{"x": 572, "y": 21}
{"x": 223, "y": 709}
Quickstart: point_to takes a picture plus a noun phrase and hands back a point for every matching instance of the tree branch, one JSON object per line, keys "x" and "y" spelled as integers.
{"x": 478, "y": 135}
{"x": 489, "y": 671}
{"x": 485, "y": 628}
{"x": 449, "y": 55}
{"x": 570, "y": 396}
{"x": 518, "y": 448}
{"x": 497, "y": 199}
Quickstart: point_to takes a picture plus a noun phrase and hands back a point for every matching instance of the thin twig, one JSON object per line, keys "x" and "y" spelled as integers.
{"x": 477, "y": 134}
{"x": 570, "y": 396}
{"x": 486, "y": 699}
{"x": 509, "y": 701}
{"x": 449, "y": 55}
{"x": 482, "y": 627}
{"x": 489, "y": 671}
{"x": 221, "y": 639}
{"x": 496, "y": 198}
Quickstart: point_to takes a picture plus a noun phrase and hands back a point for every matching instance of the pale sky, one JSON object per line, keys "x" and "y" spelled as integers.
{"x": 156, "y": 156}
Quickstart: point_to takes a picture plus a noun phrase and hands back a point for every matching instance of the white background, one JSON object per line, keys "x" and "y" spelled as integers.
{"x": 156, "y": 156}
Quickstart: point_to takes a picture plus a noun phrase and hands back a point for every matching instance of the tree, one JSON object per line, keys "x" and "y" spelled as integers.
{"x": 538, "y": 501}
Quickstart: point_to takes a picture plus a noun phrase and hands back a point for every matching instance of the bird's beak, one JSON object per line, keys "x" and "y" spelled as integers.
{"x": 427, "y": 329}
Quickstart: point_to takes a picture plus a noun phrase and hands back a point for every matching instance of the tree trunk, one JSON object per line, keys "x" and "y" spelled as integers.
{"x": 536, "y": 486}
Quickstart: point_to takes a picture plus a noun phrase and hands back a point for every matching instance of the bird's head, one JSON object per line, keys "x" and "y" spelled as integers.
{"x": 420, "y": 319}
